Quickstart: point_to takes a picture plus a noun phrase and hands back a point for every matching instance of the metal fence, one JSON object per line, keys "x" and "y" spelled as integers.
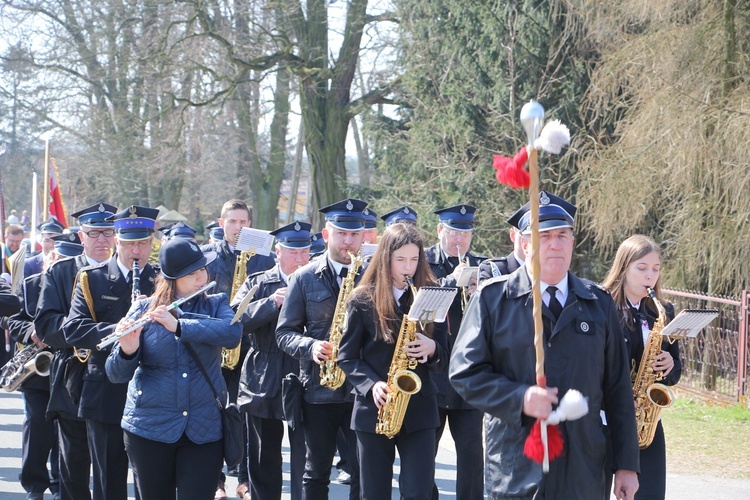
{"x": 715, "y": 364}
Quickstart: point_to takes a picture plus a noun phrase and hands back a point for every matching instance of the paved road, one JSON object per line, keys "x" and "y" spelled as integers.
{"x": 679, "y": 487}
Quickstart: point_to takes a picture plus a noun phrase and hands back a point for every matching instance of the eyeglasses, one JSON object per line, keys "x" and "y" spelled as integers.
{"x": 95, "y": 233}
{"x": 455, "y": 233}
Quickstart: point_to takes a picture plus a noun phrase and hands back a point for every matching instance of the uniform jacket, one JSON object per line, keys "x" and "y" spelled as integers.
{"x": 492, "y": 365}
{"x": 442, "y": 269}
{"x": 101, "y": 400}
{"x": 491, "y": 268}
{"x": 21, "y": 326}
{"x": 265, "y": 365}
{"x": 53, "y": 307}
{"x": 634, "y": 339}
{"x": 9, "y": 303}
{"x": 366, "y": 361}
{"x": 305, "y": 317}
{"x": 167, "y": 395}
{"x": 33, "y": 265}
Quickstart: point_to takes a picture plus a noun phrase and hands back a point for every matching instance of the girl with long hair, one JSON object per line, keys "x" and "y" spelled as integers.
{"x": 172, "y": 423}
{"x": 636, "y": 268}
{"x": 374, "y": 316}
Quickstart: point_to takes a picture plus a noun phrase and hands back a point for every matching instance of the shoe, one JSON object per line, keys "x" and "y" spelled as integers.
{"x": 243, "y": 491}
{"x": 221, "y": 493}
{"x": 344, "y": 477}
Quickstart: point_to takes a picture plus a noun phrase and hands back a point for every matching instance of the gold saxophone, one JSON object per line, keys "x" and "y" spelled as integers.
{"x": 331, "y": 375}
{"x": 230, "y": 357}
{"x": 650, "y": 396}
{"x": 402, "y": 381}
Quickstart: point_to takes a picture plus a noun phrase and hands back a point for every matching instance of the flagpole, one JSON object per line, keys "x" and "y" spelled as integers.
{"x": 2, "y": 203}
{"x": 34, "y": 205}
{"x": 45, "y": 202}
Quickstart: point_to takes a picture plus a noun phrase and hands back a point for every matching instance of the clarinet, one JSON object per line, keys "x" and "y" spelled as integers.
{"x": 136, "y": 282}
{"x": 143, "y": 320}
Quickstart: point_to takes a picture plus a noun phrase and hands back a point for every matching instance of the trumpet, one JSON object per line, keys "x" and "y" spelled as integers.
{"x": 143, "y": 320}
{"x": 464, "y": 290}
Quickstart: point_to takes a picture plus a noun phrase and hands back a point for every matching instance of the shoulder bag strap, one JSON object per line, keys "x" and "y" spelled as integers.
{"x": 203, "y": 371}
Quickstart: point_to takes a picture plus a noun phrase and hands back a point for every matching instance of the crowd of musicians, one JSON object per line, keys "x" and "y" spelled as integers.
{"x": 151, "y": 401}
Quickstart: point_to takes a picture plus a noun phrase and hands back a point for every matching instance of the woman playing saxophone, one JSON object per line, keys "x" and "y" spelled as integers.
{"x": 635, "y": 272}
{"x": 371, "y": 335}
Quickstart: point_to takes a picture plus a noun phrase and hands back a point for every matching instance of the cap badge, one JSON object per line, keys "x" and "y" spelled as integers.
{"x": 543, "y": 198}
{"x": 463, "y": 210}
{"x": 101, "y": 207}
{"x": 194, "y": 247}
{"x": 133, "y": 212}
{"x": 297, "y": 227}
{"x": 314, "y": 237}
{"x": 406, "y": 210}
{"x": 349, "y": 205}
{"x": 72, "y": 237}
{"x": 365, "y": 211}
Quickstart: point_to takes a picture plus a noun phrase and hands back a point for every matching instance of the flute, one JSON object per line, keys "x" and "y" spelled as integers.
{"x": 140, "y": 322}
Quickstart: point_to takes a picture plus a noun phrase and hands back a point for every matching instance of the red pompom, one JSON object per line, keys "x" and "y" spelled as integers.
{"x": 533, "y": 448}
{"x": 510, "y": 171}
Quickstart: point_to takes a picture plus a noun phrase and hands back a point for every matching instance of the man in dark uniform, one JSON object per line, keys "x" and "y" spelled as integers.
{"x": 47, "y": 230}
{"x": 447, "y": 258}
{"x": 215, "y": 233}
{"x": 58, "y": 281}
{"x": 371, "y": 226}
{"x": 493, "y": 363}
{"x": 102, "y": 298}
{"x": 235, "y": 215}
{"x": 39, "y": 434}
{"x": 499, "y": 266}
{"x": 401, "y": 214}
{"x": 303, "y": 332}
{"x": 177, "y": 230}
{"x": 317, "y": 245}
{"x": 264, "y": 368}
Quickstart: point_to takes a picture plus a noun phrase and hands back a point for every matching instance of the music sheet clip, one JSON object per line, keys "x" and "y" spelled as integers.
{"x": 256, "y": 241}
{"x": 689, "y": 323}
{"x": 368, "y": 249}
{"x": 431, "y": 304}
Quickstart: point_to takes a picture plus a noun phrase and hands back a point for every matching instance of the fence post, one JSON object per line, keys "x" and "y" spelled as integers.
{"x": 742, "y": 349}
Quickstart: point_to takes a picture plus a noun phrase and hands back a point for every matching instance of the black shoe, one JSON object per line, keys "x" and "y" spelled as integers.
{"x": 344, "y": 477}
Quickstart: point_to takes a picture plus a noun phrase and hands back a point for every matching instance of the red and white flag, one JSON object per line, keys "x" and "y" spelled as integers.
{"x": 56, "y": 206}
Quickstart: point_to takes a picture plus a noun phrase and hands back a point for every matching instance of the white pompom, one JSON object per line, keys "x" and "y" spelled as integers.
{"x": 554, "y": 136}
{"x": 572, "y": 407}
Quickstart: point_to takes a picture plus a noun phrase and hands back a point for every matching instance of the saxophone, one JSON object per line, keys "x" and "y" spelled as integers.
{"x": 31, "y": 360}
{"x": 402, "y": 381}
{"x": 650, "y": 396}
{"x": 331, "y": 375}
{"x": 230, "y": 357}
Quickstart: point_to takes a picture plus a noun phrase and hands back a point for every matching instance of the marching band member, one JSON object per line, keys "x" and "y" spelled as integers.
{"x": 374, "y": 317}
{"x": 447, "y": 258}
{"x": 58, "y": 284}
{"x": 493, "y": 360}
{"x": 264, "y": 368}
{"x": 102, "y": 298}
{"x": 371, "y": 226}
{"x": 302, "y": 332}
{"x": 637, "y": 266}
{"x": 47, "y": 230}
{"x": 172, "y": 423}
{"x": 401, "y": 214}
{"x": 491, "y": 268}
{"x": 40, "y": 440}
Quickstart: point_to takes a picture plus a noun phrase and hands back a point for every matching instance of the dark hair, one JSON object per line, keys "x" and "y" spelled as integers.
{"x": 376, "y": 287}
{"x": 634, "y": 248}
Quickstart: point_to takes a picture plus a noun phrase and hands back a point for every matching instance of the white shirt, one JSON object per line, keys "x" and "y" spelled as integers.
{"x": 124, "y": 270}
{"x": 562, "y": 289}
{"x": 397, "y": 294}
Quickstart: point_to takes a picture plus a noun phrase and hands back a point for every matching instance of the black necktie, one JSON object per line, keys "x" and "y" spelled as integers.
{"x": 129, "y": 277}
{"x": 554, "y": 304}
{"x": 343, "y": 272}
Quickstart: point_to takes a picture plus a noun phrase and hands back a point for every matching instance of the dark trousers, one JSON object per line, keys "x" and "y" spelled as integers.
{"x": 466, "y": 430}
{"x": 232, "y": 380}
{"x": 39, "y": 442}
{"x": 653, "y": 477}
{"x": 109, "y": 461}
{"x": 75, "y": 460}
{"x": 416, "y": 451}
{"x": 167, "y": 470}
{"x": 321, "y": 423}
{"x": 264, "y": 462}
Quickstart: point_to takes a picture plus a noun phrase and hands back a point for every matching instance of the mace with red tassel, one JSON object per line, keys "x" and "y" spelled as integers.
{"x": 545, "y": 441}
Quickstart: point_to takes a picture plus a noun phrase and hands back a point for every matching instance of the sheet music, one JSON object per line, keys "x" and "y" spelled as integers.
{"x": 432, "y": 304}
{"x": 689, "y": 322}
{"x": 367, "y": 249}
{"x": 464, "y": 279}
{"x": 254, "y": 240}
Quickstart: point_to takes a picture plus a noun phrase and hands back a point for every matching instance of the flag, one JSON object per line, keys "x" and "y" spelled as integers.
{"x": 56, "y": 206}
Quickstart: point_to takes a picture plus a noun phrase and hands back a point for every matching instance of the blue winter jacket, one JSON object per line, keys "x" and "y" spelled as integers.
{"x": 167, "y": 394}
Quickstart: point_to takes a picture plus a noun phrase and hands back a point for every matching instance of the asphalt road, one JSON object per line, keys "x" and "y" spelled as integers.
{"x": 679, "y": 487}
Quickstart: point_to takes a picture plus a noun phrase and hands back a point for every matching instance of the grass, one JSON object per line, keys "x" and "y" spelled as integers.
{"x": 707, "y": 440}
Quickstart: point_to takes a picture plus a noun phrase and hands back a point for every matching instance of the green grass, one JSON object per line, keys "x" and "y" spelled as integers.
{"x": 707, "y": 440}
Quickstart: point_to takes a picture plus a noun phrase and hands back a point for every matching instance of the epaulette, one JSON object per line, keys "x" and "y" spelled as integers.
{"x": 589, "y": 284}
{"x": 94, "y": 266}
{"x": 494, "y": 279}
{"x": 59, "y": 262}
{"x": 256, "y": 273}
